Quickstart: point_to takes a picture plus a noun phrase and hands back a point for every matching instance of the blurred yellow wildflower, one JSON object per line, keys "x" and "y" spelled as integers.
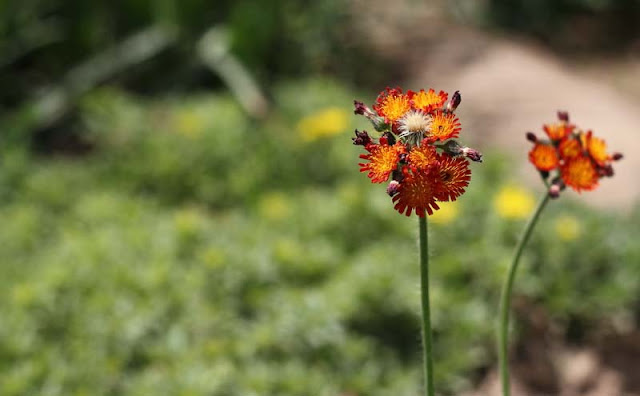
{"x": 513, "y": 202}
{"x": 446, "y": 214}
{"x": 323, "y": 123}
{"x": 274, "y": 206}
{"x": 567, "y": 228}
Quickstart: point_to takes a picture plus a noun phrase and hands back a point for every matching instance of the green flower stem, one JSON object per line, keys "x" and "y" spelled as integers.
{"x": 426, "y": 312}
{"x": 505, "y": 298}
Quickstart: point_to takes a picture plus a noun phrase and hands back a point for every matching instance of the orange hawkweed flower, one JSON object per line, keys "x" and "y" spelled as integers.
{"x": 443, "y": 126}
{"x": 558, "y": 131}
{"x": 569, "y": 148}
{"x": 392, "y": 104}
{"x": 580, "y": 173}
{"x": 423, "y": 172}
{"x": 454, "y": 175}
{"x": 416, "y": 193}
{"x": 597, "y": 149}
{"x": 427, "y": 101}
{"x": 580, "y": 158}
{"x": 423, "y": 158}
{"x": 383, "y": 159}
{"x": 544, "y": 157}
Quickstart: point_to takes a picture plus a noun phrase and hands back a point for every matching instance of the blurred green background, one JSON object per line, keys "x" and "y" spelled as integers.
{"x": 182, "y": 214}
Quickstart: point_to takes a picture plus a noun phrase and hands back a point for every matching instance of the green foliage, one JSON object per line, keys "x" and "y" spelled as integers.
{"x": 195, "y": 252}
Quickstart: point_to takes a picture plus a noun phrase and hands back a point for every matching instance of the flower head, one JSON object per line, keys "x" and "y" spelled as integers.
{"x": 580, "y": 173}
{"x": 413, "y": 126}
{"x": 392, "y": 104}
{"x": 427, "y": 101}
{"x": 597, "y": 149}
{"x": 544, "y": 157}
{"x": 453, "y": 176}
{"x": 444, "y": 126}
{"x": 424, "y": 172}
{"x": 383, "y": 159}
{"x": 580, "y": 159}
{"x": 417, "y": 193}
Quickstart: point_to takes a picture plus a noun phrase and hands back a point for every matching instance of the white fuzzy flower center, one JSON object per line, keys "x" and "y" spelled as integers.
{"x": 414, "y": 123}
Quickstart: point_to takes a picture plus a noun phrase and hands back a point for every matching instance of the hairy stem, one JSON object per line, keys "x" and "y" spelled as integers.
{"x": 426, "y": 312}
{"x": 505, "y": 298}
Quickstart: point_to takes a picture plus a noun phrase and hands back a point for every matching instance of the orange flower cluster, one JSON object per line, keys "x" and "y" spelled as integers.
{"x": 579, "y": 158}
{"x": 415, "y": 149}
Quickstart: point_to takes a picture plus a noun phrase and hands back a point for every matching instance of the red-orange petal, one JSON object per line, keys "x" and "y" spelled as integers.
{"x": 558, "y": 131}
{"x": 544, "y": 157}
{"x": 392, "y": 104}
{"x": 453, "y": 176}
{"x": 597, "y": 149}
{"x": 443, "y": 126}
{"x": 423, "y": 158}
{"x": 427, "y": 101}
{"x": 416, "y": 193}
{"x": 580, "y": 173}
{"x": 383, "y": 159}
{"x": 569, "y": 148}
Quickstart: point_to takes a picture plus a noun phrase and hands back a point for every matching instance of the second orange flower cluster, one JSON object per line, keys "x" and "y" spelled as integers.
{"x": 414, "y": 126}
{"x": 579, "y": 158}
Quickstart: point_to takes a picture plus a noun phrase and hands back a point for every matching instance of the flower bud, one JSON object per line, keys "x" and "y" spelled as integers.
{"x": 532, "y": 137}
{"x": 617, "y": 156}
{"x": 605, "y": 171}
{"x": 451, "y": 147}
{"x": 473, "y": 154}
{"x": 361, "y": 139}
{"x": 377, "y": 121}
{"x": 454, "y": 102}
{"x": 361, "y": 109}
{"x": 388, "y": 138}
{"x": 563, "y": 116}
{"x": 392, "y": 188}
{"x": 554, "y": 191}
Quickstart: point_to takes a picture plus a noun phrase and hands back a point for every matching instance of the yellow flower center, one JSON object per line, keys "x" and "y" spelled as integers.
{"x": 444, "y": 126}
{"x": 598, "y": 150}
{"x": 580, "y": 174}
{"x": 394, "y": 107}
{"x": 427, "y": 100}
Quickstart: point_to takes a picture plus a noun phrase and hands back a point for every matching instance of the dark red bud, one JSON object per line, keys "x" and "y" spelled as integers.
{"x": 563, "y": 116}
{"x": 454, "y": 102}
{"x": 361, "y": 139}
{"x": 392, "y": 188}
{"x": 360, "y": 108}
{"x": 554, "y": 191}
{"x": 605, "y": 171}
{"x": 532, "y": 137}
{"x": 472, "y": 154}
{"x": 617, "y": 156}
{"x": 390, "y": 139}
